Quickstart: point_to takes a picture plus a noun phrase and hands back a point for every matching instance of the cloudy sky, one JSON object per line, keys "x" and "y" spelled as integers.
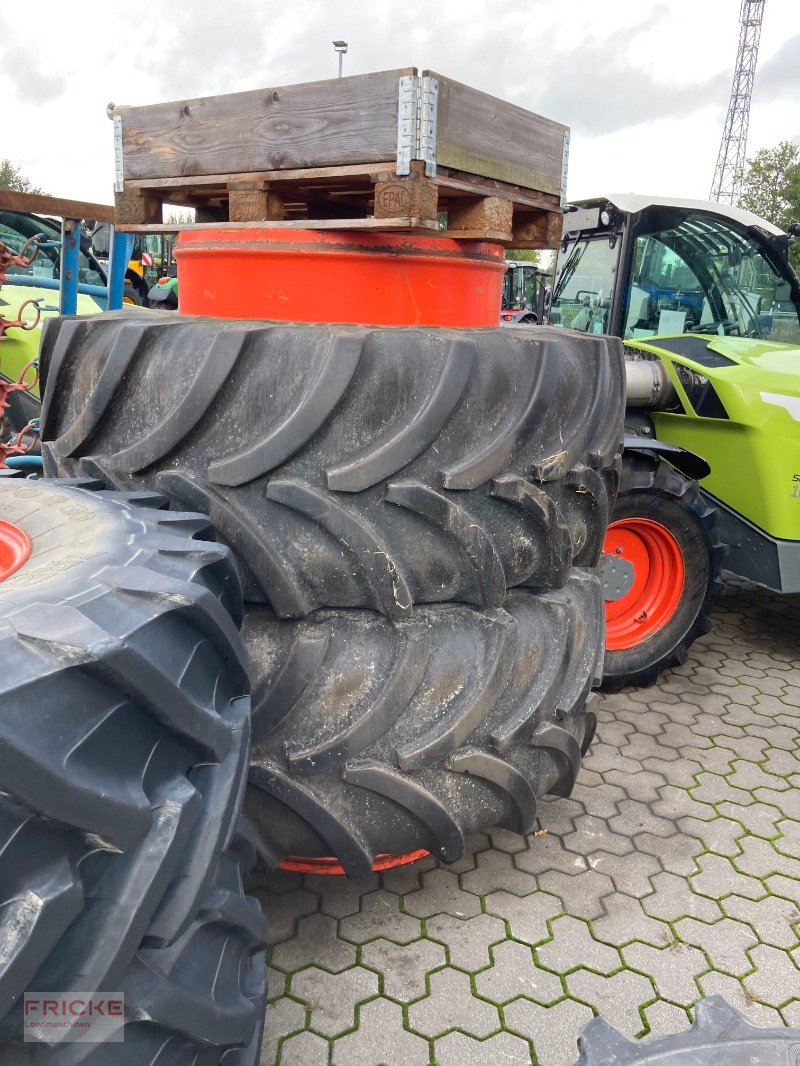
{"x": 644, "y": 84}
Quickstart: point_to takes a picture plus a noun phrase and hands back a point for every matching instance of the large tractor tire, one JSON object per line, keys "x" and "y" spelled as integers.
{"x": 351, "y": 466}
{"x": 373, "y": 737}
{"x": 661, "y": 567}
{"x": 124, "y": 723}
{"x": 719, "y": 1036}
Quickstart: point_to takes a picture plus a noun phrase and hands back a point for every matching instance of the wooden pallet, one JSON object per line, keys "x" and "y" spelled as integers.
{"x": 339, "y": 155}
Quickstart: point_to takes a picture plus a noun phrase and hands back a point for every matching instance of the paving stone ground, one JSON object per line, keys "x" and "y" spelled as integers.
{"x": 672, "y": 872}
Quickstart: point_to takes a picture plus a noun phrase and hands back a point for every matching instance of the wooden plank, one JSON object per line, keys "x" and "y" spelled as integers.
{"x": 483, "y": 135}
{"x": 373, "y": 224}
{"x": 365, "y": 170}
{"x": 33, "y": 204}
{"x": 472, "y": 185}
{"x": 342, "y": 121}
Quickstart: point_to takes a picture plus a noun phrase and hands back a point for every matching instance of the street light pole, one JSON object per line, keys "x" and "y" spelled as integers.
{"x": 340, "y": 47}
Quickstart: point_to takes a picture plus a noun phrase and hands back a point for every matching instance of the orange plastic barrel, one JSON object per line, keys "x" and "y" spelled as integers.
{"x": 338, "y": 276}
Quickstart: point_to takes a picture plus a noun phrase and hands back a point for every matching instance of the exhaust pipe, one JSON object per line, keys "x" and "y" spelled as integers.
{"x": 647, "y": 385}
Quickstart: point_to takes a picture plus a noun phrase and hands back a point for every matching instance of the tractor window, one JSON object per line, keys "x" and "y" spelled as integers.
{"x": 16, "y": 228}
{"x": 585, "y": 289}
{"x": 706, "y": 275}
{"x": 519, "y": 286}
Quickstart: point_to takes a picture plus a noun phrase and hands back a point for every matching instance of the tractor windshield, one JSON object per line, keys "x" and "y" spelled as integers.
{"x": 584, "y": 291}
{"x": 519, "y": 286}
{"x": 705, "y": 274}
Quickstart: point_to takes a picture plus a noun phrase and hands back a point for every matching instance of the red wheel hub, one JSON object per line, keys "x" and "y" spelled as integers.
{"x": 303, "y": 864}
{"x": 386, "y": 279}
{"x": 15, "y": 549}
{"x": 658, "y": 580}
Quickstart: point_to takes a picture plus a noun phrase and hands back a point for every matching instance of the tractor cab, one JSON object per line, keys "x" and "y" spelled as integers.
{"x": 524, "y": 292}
{"x": 708, "y": 307}
{"x": 639, "y": 268}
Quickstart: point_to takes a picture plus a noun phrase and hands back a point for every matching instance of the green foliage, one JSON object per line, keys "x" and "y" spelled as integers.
{"x": 527, "y": 255}
{"x": 180, "y": 218}
{"x": 11, "y": 178}
{"x": 771, "y": 188}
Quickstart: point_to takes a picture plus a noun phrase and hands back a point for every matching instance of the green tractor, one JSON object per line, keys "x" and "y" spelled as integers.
{"x": 708, "y": 307}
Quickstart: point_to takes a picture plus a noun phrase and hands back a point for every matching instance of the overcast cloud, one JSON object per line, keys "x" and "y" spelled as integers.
{"x": 644, "y": 84}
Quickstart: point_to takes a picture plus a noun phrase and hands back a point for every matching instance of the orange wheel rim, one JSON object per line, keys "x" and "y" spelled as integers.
{"x": 304, "y": 864}
{"x": 658, "y": 580}
{"x": 15, "y": 549}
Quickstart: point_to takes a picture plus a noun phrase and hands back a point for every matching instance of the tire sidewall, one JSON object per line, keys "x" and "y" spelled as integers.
{"x": 678, "y": 514}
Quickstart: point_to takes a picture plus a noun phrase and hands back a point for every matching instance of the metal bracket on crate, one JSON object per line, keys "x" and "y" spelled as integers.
{"x": 416, "y": 122}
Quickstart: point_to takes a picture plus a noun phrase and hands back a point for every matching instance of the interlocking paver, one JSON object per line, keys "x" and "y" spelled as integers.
{"x": 773, "y": 919}
{"x": 673, "y": 969}
{"x": 673, "y": 899}
{"x": 725, "y": 942}
{"x": 497, "y": 868}
{"x": 762, "y": 859}
{"x": 441, "y": 894}
{"x": 776, "y": 979}
{"x": 673, "y": 870}
{"x": 456, "y": 1049}
{"x": 285, "y": 1016}
{"x": 317, "y": 941}
{"x": 527, "y": 916}
{"x": 304, "y": 1049}
{"x": 549, "y": 853}
{"x": 380, "y": 1040}
{"x": 718, "y": 877}
{"x": 581, "y": 893}
{"x": 403, "y": 966}
{"x": 722, "y": 984}
{"x": 333, "y": 997}
{"x": 720, "y": 835}
{"x": 616, "y": 998}
{"x": 626, "y": 919}
{"x": 597, "y": 834}
{"x": 573, "y": 945}
{"x": 664, "y": 1018}
{"x": 285, "y": 911}
{"x": 468, "y": 940}
{"x": 451, "y": 1005}
{"x": 514, "y": 973}
{"x": 339, "y": 896}
{"x": 630, "y": 874}
{"x": 380, "y": 915}
{"x": 553, "y": 1031}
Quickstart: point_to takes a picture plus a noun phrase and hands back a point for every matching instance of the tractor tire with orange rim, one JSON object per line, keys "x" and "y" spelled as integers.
{"x": 124, "y": 726}
{"x": 375, "y": 740}
{"x": 661, "y": 564}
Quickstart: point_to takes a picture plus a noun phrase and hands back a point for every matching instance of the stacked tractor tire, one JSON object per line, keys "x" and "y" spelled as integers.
{"x": 416, "y": 513}
{"x": 124, "y": 722}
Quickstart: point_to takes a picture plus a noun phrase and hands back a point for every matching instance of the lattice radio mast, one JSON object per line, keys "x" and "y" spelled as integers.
{"x": 731, "y": 159}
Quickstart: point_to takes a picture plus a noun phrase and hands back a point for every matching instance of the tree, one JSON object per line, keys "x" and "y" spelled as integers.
{"x": 771, "y": 188}
{"x": 526, "y": 255}
{"x": 11, "y": 178}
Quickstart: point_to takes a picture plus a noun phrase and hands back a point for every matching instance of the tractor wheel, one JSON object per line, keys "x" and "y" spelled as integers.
{"x": 661, "y": 566}
{"x": 124, "y": 735}
{"x": 373, "y": 737}
{"x": 350, "y": 466}
{"x": 719, "y": 1034}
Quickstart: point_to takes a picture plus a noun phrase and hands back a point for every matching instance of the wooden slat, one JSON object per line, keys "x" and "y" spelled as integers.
{"x": 316, "y": 124}
{"x": 483, "y": 135}
{"x": 304, "y": 174}
{"x": 405, "y": 223}
{"x": 34, "y": 204}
